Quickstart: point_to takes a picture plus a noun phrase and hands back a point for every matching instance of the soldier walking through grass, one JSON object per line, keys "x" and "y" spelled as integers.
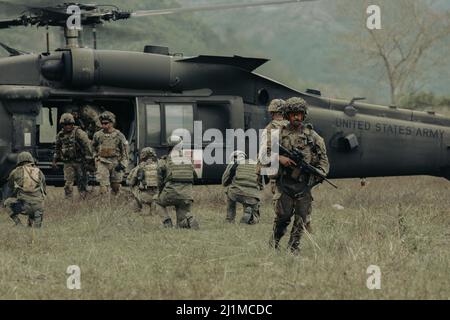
{"x": 292, "y": 197}
{"x": 110, "y": 149}
{"x": 73, "y": 148}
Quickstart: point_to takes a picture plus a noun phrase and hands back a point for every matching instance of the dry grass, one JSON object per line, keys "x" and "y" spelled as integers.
{"x": 400, "y": 224}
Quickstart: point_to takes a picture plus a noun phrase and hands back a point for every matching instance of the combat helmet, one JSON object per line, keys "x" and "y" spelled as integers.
{"x": 107, "y": 116}
{"x": 67, "y": 118}
{"x": 147, "y": 153}
{"x": 24, "y": 157}
{"x": 295, "y": 105}
{"x": 275, "y": 105}
{"x": 238, "y": 155}
{"x": 174, "y": 140}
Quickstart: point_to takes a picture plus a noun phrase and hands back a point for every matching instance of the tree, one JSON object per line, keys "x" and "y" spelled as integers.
{"x": 410, "y": 45}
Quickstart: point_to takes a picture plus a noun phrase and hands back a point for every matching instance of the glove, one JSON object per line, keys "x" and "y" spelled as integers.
{"x": 120, "y": 167}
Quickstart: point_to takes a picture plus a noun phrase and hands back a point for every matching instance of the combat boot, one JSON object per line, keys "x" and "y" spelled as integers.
{"x": 295, "y": 250}
{"x": 115, "y": 187}
{"x": 309, "y": 228}
{"x": 246, "y": 218}
{"x": 38, "y": 217}
{"x": 68, "y": 193}
{"x": 193, "y": 224}
{"x": 30, "y": 222}
{"x": 16, "y": 220}
{"x": 168, "y": 223}
{"x": 274, "y": 243}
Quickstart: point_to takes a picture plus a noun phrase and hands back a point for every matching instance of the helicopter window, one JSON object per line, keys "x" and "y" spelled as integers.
{"x": 179, "y": 116}
{"x": 153, "y": 116}
{"x": 48, "y": 125}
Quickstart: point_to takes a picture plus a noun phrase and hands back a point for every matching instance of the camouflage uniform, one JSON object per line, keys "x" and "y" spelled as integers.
{"x": 241, "y": 180}
{"x": 275, "y": 106}
{"x": 292, "y": 195}
{"x": 74, "y": 150}
{"x": 89, "y": 119}
{"x": 143, "y": 179}
{"x": 27, "y": 186}
{"x": 176, "y": 176}
{"x": 111, "y": 156}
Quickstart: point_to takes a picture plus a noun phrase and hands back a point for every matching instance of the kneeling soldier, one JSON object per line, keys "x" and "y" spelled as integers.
{"x": 176, "y": 175}
{"x": 241, "y": 180}
{"x": 143, "y": 179}
{"x": 26, "y": 184}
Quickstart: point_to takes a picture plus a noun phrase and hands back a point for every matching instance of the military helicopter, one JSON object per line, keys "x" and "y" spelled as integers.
{"x": 154, "y": 92}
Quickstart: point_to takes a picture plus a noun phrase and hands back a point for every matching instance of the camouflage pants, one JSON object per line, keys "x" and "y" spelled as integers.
{"x": 286, "y": 207}
{"x": 107, "y": 176}
{"x": 250, "y": 206}
{"x": 144, "y": 198}
{"x": 75, "y": 172}
{"x": 33, "y": 209}
{"x": 183, "y": 209}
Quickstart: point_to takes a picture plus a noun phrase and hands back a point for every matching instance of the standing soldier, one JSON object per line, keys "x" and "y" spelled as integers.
{"x": 110, "y": 153}
{"x": 73, "y": 148}
{"x": 143, "y": 179}
{"x": 27, "y": 186}
{"x": 241, "y": 180}
{"x": 293, "y": 186}
{"x": 176, "y": 176}
{"x": 275, "y": 109}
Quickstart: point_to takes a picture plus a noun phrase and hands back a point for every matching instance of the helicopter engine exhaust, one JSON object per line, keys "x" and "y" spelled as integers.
{"x": 83, "y": 68}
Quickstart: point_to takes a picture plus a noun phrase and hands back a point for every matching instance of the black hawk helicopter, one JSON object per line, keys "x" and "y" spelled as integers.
{"x": 154, "y": 92}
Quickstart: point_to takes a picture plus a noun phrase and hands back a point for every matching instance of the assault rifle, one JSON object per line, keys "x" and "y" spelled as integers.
{"x": 297, "y": 156}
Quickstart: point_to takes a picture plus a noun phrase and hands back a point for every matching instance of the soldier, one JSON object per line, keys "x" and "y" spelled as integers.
{"x": 143, "y": 179}
{"x": 89, "y": 119}
{"x": 275, "y": 109}
{"x": 293, "y": 187}
{"x": 110, "y": 148}
{"x": 176, "y": 176}
{"x": 27, "y": 186}
{"x": 241, "y": 180}
{"x": 73, "y": 148}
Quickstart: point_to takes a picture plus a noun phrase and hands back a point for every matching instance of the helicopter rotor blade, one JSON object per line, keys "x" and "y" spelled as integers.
{"x": 145, "y": 13}
{"x": 11, "y": 23}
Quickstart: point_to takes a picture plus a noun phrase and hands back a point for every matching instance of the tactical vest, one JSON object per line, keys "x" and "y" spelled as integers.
{"x": 108, "y": 147}
{"x": 246, "y": 175}
{"x": 150, "y": 176}
{"x": 303, "y": 142}
{"x": 31, "y": 181}
{"x": 69, "y": 146}
{"x": 181, "y": 170}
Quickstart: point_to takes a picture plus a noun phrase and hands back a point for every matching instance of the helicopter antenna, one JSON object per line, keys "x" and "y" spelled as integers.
{"x": 94, "y": 36}
{"x": 47, "y": 38}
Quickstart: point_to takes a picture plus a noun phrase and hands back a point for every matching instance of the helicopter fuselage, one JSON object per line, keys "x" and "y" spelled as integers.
{"x": 153, "y": 94}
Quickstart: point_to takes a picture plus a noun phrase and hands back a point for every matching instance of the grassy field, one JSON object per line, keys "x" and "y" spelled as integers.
{"x": 401, "y": 225}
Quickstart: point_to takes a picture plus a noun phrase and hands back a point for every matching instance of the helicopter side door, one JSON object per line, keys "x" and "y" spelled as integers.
{"x": 158, "y": 117}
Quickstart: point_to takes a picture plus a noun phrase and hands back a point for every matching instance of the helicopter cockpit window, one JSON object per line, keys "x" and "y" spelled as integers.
{"x": 179, "y": 116}
{"x": 48, "y": 125}
{"x": 153, "y": 116}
